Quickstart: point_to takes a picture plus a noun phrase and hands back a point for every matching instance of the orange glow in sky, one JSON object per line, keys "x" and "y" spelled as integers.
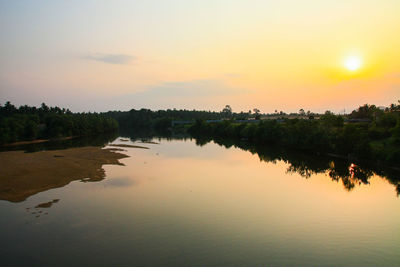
{"x": 284, "y": 55}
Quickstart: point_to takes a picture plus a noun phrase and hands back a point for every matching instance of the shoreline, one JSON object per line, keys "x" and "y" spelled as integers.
{"x": 37, "y": 141}
{"x": 26, "y": 174}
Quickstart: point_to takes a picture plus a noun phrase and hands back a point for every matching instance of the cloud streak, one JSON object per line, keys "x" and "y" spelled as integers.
{"x": 189, "y": 94}
{"x": 194, "y": 88}
{"x": 120, "y": 59}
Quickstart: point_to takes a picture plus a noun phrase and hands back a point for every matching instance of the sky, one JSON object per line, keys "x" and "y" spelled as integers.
{"x": 284, "y": 55}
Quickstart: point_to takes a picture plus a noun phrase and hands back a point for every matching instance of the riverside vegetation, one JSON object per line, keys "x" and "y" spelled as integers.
{"x": 367, "y": 133}
{"x": 30, "y": 123}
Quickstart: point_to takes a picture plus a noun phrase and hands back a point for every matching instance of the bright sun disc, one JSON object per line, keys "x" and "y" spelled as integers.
{"x": 352, "y": 63}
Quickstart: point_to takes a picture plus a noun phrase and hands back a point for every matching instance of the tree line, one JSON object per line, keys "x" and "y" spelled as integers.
{"x": 29, "y": 123}
{"x": 376, "y": 137}
{"x": 146, "y": 119}
{"x": 368, "y": 132}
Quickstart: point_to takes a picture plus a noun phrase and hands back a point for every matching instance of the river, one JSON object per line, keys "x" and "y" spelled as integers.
{"x": 181, "y": 204}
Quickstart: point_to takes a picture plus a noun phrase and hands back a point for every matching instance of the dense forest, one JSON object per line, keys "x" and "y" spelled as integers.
{"x": 29, "y": 123}
{"x": 368, "y": 133}
{"x": 161, "y": 120}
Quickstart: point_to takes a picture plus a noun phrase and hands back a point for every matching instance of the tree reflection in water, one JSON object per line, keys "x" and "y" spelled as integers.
{"x": 349, "y": 173}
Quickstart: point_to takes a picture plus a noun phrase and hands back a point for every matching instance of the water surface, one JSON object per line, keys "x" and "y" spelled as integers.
{"x": 180, "y": 204}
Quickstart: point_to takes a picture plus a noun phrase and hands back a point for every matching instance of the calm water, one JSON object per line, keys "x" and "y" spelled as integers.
{"x": 180, "y": 204}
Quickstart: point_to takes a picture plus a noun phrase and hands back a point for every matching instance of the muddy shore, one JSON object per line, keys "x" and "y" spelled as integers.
{"x": 25, "y": 174}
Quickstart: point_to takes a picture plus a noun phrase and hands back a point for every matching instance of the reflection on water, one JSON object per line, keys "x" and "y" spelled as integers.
{"x": 182, "y": 204}
{"x": 308, "y": 165}
{"x": 98, "y": 140}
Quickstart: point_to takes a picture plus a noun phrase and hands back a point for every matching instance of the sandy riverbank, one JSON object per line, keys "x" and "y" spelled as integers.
{"x": 25, "y": 174}
{"x": 132, "y": 146}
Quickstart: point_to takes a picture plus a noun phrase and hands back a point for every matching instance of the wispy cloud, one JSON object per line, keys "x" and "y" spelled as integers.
{"x": 198, "y": 94}
{"x": 121, "y": 59}
{"x": 194, "y": 88}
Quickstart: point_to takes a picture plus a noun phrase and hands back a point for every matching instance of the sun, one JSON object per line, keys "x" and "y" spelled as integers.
{"x": 352, "y": 63}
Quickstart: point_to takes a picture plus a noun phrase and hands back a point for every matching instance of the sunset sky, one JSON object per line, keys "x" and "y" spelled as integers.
{"x": 117, "y": 55}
